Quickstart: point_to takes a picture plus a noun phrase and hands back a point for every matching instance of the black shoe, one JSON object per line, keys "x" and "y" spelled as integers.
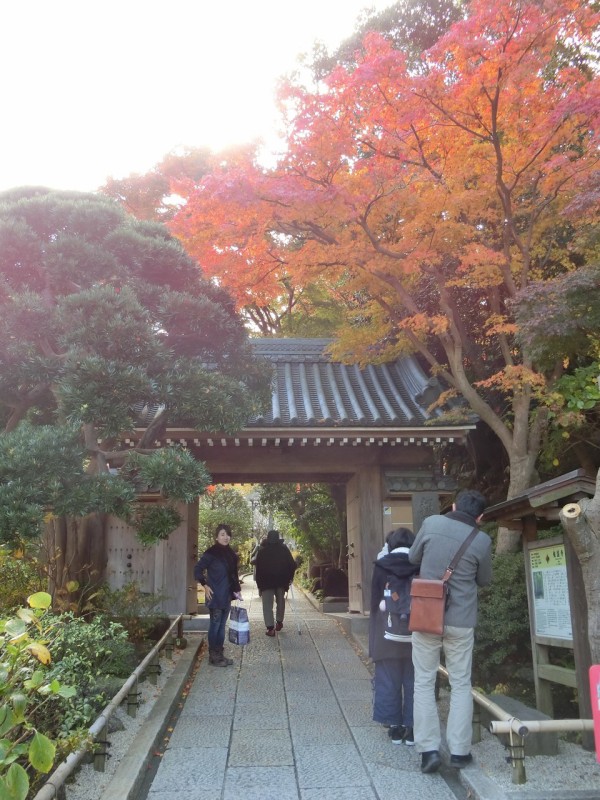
{"x": 460, "y": 761}
{"x": 278, "y": 625}
{"x": 430, "y": 762}
{"x": 409, "y": 737}
{"x": 396, "y": 734}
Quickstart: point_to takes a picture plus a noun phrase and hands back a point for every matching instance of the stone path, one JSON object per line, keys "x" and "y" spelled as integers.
{"x": 290, "y": 720}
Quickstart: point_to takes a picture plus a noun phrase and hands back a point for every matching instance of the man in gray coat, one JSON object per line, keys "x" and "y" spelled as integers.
{"x": 436, "y": 544}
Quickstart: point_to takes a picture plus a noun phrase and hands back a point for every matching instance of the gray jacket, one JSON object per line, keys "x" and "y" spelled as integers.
{"x": 435, "y": 546}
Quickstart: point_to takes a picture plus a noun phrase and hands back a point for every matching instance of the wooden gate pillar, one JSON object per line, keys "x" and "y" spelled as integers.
{"x": 365, "y": 533}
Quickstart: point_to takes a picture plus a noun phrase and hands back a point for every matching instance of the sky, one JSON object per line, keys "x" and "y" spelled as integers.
{"x": 94, "y": 89}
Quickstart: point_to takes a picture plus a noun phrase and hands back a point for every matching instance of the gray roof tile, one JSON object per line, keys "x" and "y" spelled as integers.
{"x": 311, "y": 390}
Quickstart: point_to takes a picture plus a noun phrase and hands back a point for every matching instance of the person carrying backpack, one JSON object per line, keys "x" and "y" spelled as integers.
{"x": 390, "y": 640}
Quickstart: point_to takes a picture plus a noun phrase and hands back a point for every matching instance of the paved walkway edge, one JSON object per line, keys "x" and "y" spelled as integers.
{"x": 128, "y": 777}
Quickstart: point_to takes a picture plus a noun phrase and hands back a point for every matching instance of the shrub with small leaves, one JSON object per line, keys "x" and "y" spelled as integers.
{"x": 22, "y": 575}
{"x": 502, "y": 639}
{"x": 86, "y": 655}
{"x": 137, "y": 611}
{"x": 153, "y": 523}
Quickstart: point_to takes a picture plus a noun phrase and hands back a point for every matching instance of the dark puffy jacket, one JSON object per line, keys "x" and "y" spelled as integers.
{"x": 275, "y": 566}
{"x": 220, "y": 572}
{"x": 396, "y": 564}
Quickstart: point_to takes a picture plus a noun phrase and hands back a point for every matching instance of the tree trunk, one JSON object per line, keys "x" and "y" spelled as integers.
{"x": 581, "y": 522}
{"x": 509, "y": 541}
{"x": 75, "y": 551}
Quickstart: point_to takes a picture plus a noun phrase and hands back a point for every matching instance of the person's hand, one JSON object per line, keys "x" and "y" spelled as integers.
{"x": 208, "y": 592}
{"x": 237, "y": 595}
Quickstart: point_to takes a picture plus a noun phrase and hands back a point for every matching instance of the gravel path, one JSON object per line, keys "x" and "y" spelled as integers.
{"x": 573, "y": 773}
{"x": 572, "y": 770}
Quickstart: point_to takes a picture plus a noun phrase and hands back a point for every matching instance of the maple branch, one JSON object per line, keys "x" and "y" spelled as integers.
{"x": 449, "y": 116}
{"x": 422, "y": 162}
{"x": 297, "y": 228}
{"x": 458, "y": 334}
{"x": 375, "y": 242}
{"x": 495, "y": 306}
{"x": 456, "y": 377}
{"x": 436, "y": 365}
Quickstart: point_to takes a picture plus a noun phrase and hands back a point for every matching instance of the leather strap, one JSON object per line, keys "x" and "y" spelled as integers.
{"x": 459, "y": 554}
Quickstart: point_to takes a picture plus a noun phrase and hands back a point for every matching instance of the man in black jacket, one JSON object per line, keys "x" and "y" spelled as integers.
{"x": 275, "y": 567}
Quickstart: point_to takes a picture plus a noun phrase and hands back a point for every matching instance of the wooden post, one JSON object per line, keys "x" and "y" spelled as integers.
{"x": 539, "y": 652}
{"x": 101, "y": 750}
{"x": 517, "y": 757}
{"x": 154, "y": 669}
{"x": 476, "y": 734}
{"x": 133, "y": 700}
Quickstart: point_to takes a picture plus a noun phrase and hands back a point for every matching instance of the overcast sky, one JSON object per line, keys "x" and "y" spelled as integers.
{"x": 95, "y": 89}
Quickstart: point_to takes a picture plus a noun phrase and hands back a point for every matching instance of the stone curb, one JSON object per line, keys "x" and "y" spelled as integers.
{"x": 126, "y": 782}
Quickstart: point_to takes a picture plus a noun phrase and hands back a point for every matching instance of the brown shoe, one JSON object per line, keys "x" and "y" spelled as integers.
{"x": 228, "y": 661}
{"x": 278, "y": 625}
{"x": 270, "y": 632}
{"x": 216, "y": 658}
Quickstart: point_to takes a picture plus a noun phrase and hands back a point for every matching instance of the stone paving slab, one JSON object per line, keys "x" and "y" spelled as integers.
{"x": 192, "y": 730}
{"x": 258, "y": 717}
{"x": 197, "y": 793}
{"x": 261, "y": 783}
{"x": 337, "y": 766}
{"x": 271, "y": 748}
{"x": 414, "y": 785}
{"x": 210, "y": 704}
{"x": 352, "y": 688}
{"x": 316, "y": 730}
{"x": 345, "y": 793}
{"x": 183, "y": 771}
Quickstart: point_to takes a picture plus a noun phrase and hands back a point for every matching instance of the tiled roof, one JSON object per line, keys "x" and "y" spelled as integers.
{"x": 309, "y": 389}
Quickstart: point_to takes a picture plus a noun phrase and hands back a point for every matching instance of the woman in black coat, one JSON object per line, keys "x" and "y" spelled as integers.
{"x": 217, "y": 571}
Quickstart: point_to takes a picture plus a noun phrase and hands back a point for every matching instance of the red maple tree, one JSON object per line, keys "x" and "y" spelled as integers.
{"x": 433, "y": 197}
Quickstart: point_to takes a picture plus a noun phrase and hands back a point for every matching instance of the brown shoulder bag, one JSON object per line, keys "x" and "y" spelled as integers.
{"x": 429, "y": 598}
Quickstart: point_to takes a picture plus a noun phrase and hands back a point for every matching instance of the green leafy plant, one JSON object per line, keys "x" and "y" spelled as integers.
{"x": 573, "y": 412}
{"x": 153, "y": 523}
{"x": 93, "y": 656}
{"x": 26, "y": 690}
{"x": 172, "y": 470}
{"x": 72, "y": 597}
{"x": 22, "y": 575}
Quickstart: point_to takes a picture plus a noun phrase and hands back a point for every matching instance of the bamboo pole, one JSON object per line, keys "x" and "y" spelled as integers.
{"x": 519, "y": 729}
{"x": 541, "y": 725}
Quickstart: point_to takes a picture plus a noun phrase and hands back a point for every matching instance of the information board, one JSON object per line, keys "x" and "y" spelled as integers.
{"x": 552, "y": 611}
